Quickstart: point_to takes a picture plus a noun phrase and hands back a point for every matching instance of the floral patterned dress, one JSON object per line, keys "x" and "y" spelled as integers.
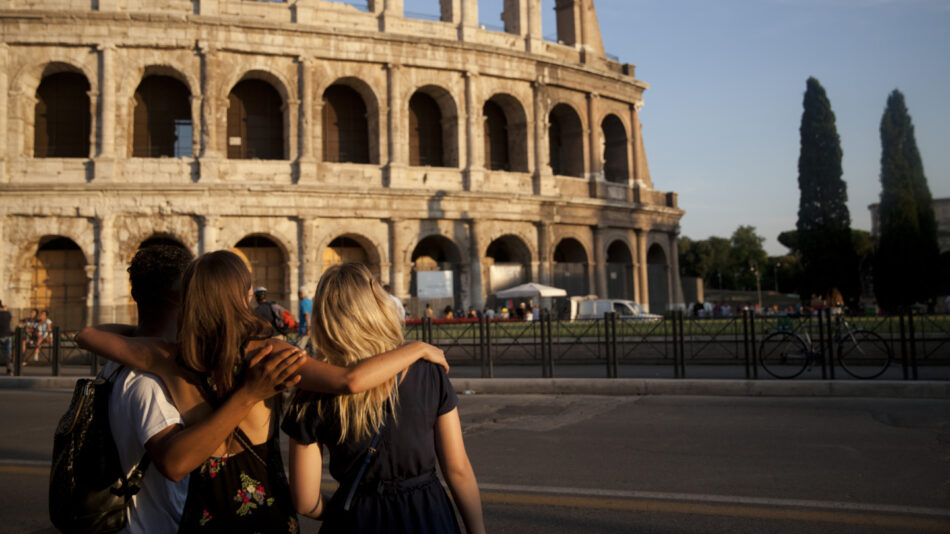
{"x": 239, "y": 493}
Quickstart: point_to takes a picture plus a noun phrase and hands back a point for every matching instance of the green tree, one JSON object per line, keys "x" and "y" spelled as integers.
{"x": 747, "y": 256}
{"x": 906, "y": 261}
{"x": 823, "y": 239}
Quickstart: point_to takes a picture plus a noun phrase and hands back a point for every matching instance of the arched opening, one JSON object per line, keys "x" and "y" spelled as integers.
{"x": 435, "y": 276}
{"x": 58, "y": 282}
{"x": 350, "y": 249}
{"x": 433, "y": 128}
{"x": 496, "y": 137}
{"x": 61, "y": 117}
{"x": 619, "y": 271}
{"x": 506, "y": 128}
{"x": 616, "y": 168}
{"x": 566, "y": 140}
{"x": 345, "y": 126}
{"x": 509, "y": 263}
{"x": 268, "y": 266}
{"x": 571, "y": 267}
{"x": 425, "y": 132}
{"x": 255, "y": 121}
{"x": 162, "y": 119}
{"x": 657, "y": 279}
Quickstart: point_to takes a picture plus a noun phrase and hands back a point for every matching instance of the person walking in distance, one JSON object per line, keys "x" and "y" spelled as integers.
{"x": 303, "y": 323}
{"x": 397, "y": 430}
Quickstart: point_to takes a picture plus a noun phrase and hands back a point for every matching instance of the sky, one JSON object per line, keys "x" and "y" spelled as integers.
{"x": 727, "y": 79}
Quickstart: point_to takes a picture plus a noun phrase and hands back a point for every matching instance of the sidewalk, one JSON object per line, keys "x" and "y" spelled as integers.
{"x": 631, "y": 387}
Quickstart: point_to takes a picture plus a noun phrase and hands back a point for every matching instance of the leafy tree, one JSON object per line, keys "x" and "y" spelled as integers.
{"x": 747, "y": 256}
{"x": 823, "y": 239}
{"x": 724, "y": 263}
{"x": 907, "y": 257}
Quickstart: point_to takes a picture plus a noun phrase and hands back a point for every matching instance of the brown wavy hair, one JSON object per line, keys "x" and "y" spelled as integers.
{"x": 215, "y": 322}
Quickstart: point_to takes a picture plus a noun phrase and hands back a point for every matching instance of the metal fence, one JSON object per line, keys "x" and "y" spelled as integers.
{"x": 912, "y": 346}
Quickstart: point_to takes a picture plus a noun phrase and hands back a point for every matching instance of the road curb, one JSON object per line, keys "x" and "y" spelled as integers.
{"x": 633, "y": 387}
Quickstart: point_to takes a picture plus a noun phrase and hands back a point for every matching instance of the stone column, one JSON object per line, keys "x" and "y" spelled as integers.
{"x": 534, "y": 41}
{"x": 600, "y": 263}
{"x": 596, "y": 152}
{"x": 477, "y": 288}
{"x": 474, "y": 158}
{"x": 545, "y": 255}
{"x": 103, "y": 276}
{"x": 210, "y": 154}
{"x": 642, "y": 276}
{"x": 290, "y": 110}
{"x": 397, "y": 242}
{"x": 308, "y": 255}
{"x": 397, "y": 134}
{"x": 391, "y": 14}
{"x": 635, "y": 275}
{"x": 543, "y": 179}
{"x": 641, "y": 171}
{"x": 307, "y": 165}
{"x": 469, "y": 19}
{"x": 4, "y": 95}
{"x": 105, "y": 160}
{"x": 208, "y": 226}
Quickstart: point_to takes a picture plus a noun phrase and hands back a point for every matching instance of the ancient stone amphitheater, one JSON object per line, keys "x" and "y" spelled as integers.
{"x": 453, "y": 159}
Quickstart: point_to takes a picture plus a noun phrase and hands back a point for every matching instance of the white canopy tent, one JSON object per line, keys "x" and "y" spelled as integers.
{"x": 530, "y": 290}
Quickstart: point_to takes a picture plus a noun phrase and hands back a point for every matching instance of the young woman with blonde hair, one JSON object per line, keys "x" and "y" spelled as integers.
{"x": 383, "y": 442}
{"x": 229, "y": 444}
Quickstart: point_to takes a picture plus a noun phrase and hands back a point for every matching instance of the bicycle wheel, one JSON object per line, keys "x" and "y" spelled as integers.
{"x": 783, "y": 355}
{"x": 864, "y": 354}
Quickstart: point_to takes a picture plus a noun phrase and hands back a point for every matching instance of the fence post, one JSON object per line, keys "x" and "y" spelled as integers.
{"x": 488, "y": 365}
{"x": 831, "y": 344}
{"x": 676, "y": 346}
{"x": 606, "y": 325}
{"x": 913, "y": 344}
{"x": 754, "y": 345}
{"x": 613, "y": 329}
{"x": 823, "y": 349}
{"x": 17, "y": 351}
{"x": 682, "y": 330}
{"x": 549, "y": 342}
{"x": 745, "y": 344}
{"x": 905, "y": 364}
{"x": 54, "y": 358}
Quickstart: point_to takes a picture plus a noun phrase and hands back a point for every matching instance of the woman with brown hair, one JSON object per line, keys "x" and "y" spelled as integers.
{"x": 236, "y": 472}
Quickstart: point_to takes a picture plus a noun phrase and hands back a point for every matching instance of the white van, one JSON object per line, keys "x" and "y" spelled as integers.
{"x": 584, "y": 310}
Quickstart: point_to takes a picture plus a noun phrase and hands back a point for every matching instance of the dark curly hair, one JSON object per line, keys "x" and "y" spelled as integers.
{"x": 154, "y": 272}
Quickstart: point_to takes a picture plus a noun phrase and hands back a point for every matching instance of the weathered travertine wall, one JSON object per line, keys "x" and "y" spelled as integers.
{"x": 110, "y": 202}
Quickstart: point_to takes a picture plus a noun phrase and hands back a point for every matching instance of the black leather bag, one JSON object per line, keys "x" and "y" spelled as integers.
{"x": 88, "y": 490}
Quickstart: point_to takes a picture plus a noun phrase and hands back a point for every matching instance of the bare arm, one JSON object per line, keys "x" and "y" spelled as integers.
{"x": 151, "y": 355}
{"x": 369, "y": 373}
{"x": 177, "y": 450}
{"x": 306, "y": 473}
{"x": 458, "y": 471}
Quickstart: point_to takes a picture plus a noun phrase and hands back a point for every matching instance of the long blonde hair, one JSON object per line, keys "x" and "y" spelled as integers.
{"x": 215, "y": 321}
{"x": 353, "y": 319}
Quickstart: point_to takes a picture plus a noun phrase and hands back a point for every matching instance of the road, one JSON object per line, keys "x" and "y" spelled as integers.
{"x": 671, "y": 465}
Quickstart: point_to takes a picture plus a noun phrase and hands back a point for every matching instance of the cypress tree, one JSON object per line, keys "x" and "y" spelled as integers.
{"x": 907, "y": 257}
{"x": 824, "y": 224}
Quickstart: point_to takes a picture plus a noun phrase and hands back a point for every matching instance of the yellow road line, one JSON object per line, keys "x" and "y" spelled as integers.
{"x": 751, "y": 512}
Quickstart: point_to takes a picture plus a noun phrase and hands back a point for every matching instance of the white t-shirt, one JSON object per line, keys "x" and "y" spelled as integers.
{"x": 139, "y": 408}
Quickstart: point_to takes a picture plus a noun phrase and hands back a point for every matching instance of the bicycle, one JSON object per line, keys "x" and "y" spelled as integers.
{"x": 786, "y": 353}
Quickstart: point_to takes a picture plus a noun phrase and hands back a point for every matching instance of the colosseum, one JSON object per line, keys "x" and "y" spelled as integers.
{"x": 453, "y": 159}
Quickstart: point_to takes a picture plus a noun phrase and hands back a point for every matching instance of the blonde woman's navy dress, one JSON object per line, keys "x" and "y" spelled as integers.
{"x": 400, "y": 491}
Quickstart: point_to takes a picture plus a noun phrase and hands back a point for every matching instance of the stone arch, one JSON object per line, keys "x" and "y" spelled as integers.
{"x": 566, "y": 141}
{"x": 133, "y": 231}
{"x": 345, "y": 124}
{"x": 157, "y": 238}
{"x": 506, "y": 133}
{"x": 436, "y": 262}
{"x": 372, "y": 113}
{"x": 571, "y": 262}
{"x": 620, "y": 272}
{"x": 433, "y": 128}
{"x": 338, "y": 249}
{"x": 258, "y": 115}
{"x": 658, "y": 277}
{"x": 268, "y": 260}
{"x": 161, "y": 118}
{"x": 62, "y": 112}
{"x": 508, "y": 261}
{"x": 59, "y": 282}
{"x": 615, "y": 150}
